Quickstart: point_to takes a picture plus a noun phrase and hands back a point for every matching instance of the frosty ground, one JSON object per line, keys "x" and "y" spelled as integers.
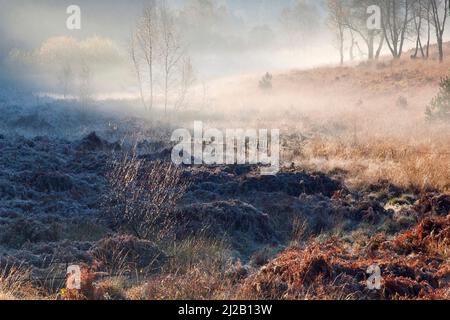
{"x": 311, "y": 231}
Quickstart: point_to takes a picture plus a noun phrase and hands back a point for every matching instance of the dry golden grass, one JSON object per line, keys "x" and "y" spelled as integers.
{"x": 384, "y": 75}
{"x": 198, "y": 268}
{"x": 417, "y": 167}
{"x": 15, "y": 284}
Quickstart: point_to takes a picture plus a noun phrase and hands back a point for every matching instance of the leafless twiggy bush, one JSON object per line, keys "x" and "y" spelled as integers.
{"x": 143, "y": 196}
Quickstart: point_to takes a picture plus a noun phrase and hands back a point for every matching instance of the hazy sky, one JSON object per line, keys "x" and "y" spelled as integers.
{"x": 29, "y": 22}
{"x": 246, "y": 39}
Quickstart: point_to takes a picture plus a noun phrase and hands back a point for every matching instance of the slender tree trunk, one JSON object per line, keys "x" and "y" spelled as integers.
{"x": 441, "y": 49}
{"x": 341, "y": 44}
{"x": 166, "y": 84}
{"x": 428, "y": 36}
{"x": 352, "y": 47}
{"x": 404, "y": 29}
{"x": 380, "y": 47}
{"x": 370, "y": 45}
{"x": 138, "y": 72}
{"x": 418, "y": 27}
{"x": 421, "y": 48}
{"x": 151, "y": 86}
{"x": 166, "y": 88}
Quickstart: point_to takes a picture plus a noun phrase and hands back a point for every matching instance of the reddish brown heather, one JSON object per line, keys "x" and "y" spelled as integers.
{"x": 415, "y": 265}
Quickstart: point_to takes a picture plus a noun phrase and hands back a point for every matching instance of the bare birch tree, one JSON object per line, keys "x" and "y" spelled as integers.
{"x": 136, "y": 63}
{"x": 418, "y": 14}
{"x": 171, "y": 51}
{"x": 396, "y": 19}
{"x": 336, "y": 18}
{"x": 440, "y": 11}
{"x": 146, "y": 39}
{"x": 357, "y": 22}
{"x": 186, "y": 81}
{"x": 159, "y": 57}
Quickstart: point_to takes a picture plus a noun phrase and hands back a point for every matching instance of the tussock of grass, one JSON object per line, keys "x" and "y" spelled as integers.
{"x": 198, "y": 268}
{"x": 15, "y": 284}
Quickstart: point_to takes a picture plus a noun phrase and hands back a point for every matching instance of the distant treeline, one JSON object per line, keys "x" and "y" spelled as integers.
{"x": 388, "y": 23}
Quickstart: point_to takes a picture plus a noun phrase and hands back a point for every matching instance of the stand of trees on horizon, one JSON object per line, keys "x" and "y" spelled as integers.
{"x": 159, "y": 55}
{"x": 419, "y": 21}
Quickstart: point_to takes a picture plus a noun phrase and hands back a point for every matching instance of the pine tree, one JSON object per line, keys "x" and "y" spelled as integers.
{"x": 439, "y": 108}
{"x": 266, "y": 82}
